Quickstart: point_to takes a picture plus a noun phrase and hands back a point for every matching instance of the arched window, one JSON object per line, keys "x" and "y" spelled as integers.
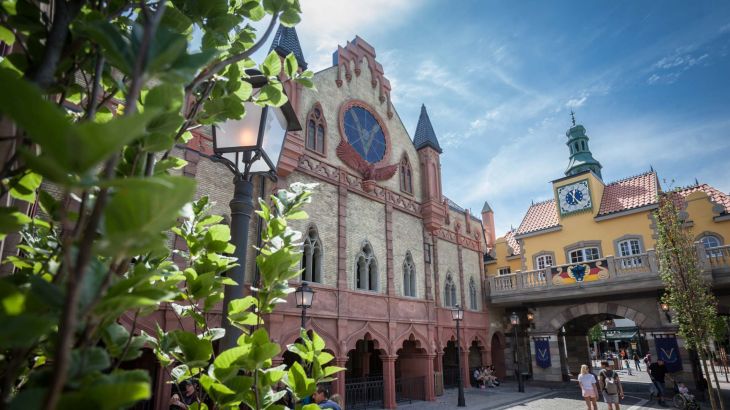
{"x": 312, "y": 257}
{"x": 316, "y": 129}
{"x": 449, "y": 292}
{"x": 366, "y": 269}
{"x": 711, "y": 241}
{"x": 409, "y": 276}
{"x": 406, "y": 175}
{"x": 472, "y": 294}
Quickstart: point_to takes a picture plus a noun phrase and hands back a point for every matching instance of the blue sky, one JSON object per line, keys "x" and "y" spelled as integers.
{"x": 648, "y": 79}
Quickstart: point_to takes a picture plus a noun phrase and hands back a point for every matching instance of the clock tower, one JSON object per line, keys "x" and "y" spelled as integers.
{"x": 581, "y": 158}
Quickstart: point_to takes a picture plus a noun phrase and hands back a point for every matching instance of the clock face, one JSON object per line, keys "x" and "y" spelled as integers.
{"x": 364, "y": 133}
{"x": 574, "y": 197}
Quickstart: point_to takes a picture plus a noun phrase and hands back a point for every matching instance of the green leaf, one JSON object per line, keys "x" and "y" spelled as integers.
{"x": 87, "y": 360}
{"x": 116, "y": 46}
{"x": 111, "y": 392}
{"x": 300, "y": 384}
{"x": 169, "y": 163}
{"x": 11, "y": 220}
{"x": 24, "y": 330}
{"x": 291, "y": 65}
{"x": 290, "y": 18}
{"x": 141, "y": 209}
{"x": 167, "y": 96}
{"x": 6, "y": 36}
{"x": 272, "y": 64}
{"x": 195, "y": 352}
{"x": 272, "y": 94}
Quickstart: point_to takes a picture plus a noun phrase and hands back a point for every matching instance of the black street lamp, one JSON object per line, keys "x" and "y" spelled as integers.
{"x": 515, "y": 320}
{"x": 665, "y": 308}
{"x": 304, "y": 295}
{"x": 457, "y": 313}
{"x": 248, "y": 146}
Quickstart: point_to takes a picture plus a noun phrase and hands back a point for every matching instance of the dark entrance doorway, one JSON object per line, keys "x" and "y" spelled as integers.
{"x": 450, "y": 365}
{"x": 411, "y": 372}
{"x": 364, "y": 375}
{"x": 497, "y": 350}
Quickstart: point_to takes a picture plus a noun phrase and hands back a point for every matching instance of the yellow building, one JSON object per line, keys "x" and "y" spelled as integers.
{"x": 589, "y": 219}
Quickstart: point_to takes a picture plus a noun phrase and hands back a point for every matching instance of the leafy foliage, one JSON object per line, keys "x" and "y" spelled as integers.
{"x": 98, "y": 96}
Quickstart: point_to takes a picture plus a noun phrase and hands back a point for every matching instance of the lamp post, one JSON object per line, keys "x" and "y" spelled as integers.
{"x": 515, "y": 320}
{"x": 457, "y": 313}
{"x": 665, "y": 308}
{"x": 248, "y": 146}
{"x": 304, "y": 295}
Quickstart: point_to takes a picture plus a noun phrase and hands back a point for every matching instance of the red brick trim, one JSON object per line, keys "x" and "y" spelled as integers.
{"x": 389, "y": 249}
{"x": 329, "y": 173}
{"x": 436, "y": 281}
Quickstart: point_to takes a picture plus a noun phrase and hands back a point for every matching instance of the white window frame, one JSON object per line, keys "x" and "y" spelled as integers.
{"x": 630, "y": 247}
{"x": 541, "y": 261}
{"x": 705, "y": 239}
{"x": 584, "y": 255}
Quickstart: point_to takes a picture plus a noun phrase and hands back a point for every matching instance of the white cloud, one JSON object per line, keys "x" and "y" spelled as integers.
{"x": 576, "y": 102}
{"x": 328, "y": 23}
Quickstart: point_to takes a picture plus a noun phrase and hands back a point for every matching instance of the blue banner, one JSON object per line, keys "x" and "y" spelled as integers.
{"x": 542, "y": 352}
{"x": 668, "y": 350}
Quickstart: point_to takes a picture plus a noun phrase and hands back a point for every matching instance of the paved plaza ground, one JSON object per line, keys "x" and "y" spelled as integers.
{"x": 560, "y": 397}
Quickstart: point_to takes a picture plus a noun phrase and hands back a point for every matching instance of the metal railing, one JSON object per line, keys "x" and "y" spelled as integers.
{"x": 364, "y": 392}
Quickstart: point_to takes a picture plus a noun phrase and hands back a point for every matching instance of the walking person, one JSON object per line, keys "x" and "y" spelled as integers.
{"x": 588, "y": 387}
{"x": 627, "y": 365}
{"x": 657, "y": 373}
{"x": 610, "y": 386}
{"x": 637, "y": 361}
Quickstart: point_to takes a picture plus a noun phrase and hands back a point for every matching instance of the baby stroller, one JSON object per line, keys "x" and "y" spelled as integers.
{"x": 683, "y": 399}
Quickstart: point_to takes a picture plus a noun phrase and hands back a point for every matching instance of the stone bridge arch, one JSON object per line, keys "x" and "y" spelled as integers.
{"x": 644, "y": 314}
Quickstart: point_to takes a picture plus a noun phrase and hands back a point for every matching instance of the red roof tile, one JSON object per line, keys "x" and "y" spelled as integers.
{"x": 542, "y": 215}
{"x": 715, "y": 195}
{"x": 630, "y": 193}
{"x": 512, "y": 242}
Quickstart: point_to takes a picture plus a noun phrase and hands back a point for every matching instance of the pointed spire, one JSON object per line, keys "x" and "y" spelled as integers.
{"x": 572, "y": 116}
{"x": 581, "y": 158}
{"x": 486, "y": 207}
{"x": 425, "y": 136}
{"x": 651, "y": 168}
{"x": 286, "y": 41}
{"x": 696, "y": 181}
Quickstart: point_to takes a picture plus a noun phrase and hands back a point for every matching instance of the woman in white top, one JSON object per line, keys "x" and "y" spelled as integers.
{"x": 588, "y": 387}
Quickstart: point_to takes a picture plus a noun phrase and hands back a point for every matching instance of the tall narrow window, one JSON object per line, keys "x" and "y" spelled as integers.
{"x": 366, "y": 269}
{"x": 316, "y": 129}
{"x": 406, "y": 175}
{"x": 409, "y": 276}
{"x": 449, "y": 292}
{"x": 312, "y": 257}
{"x": 472, "y": 294}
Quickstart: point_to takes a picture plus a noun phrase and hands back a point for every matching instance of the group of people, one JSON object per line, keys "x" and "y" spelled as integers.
{"x": 609, "y": 385}
{"x": 486, "y": 377}
{"x": 187, "y": 394}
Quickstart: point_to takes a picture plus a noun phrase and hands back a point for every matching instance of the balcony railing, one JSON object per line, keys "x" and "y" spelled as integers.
{"x": 715, "y": 260}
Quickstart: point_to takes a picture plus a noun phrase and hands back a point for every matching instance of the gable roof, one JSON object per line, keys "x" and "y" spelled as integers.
{"x": 286, "y": 41}
{"x": 425, "y": 136}
{"x": 630, "y": 193}
{"x": 541, "y": 215}
{"x": 715, "y": 195}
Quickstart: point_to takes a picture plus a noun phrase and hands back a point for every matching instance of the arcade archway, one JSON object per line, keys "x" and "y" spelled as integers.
{"x": 497, "y": 351}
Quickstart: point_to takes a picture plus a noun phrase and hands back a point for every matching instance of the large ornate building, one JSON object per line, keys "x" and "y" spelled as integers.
{"x": 587, "y": 256}
{"x": 387, "y": 254}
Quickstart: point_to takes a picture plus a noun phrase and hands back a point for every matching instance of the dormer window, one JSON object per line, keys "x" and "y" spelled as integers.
{"x": 316, "y": 130}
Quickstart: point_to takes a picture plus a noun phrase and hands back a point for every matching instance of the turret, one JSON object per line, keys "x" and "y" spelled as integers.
{"x": 433, "y": 209}
{"x": 581, "y": 158}
{"x": 488, "y": 223}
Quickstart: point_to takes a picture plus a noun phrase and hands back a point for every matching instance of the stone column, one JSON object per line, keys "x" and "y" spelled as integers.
{"x": 552, "y": 373}
{"x": 430, "y": 390}
{"x": 439, "y": 367}
{"x": 338, "y": 386}
{"x": 389, "y": 381}
{"x": 465, "y": 368}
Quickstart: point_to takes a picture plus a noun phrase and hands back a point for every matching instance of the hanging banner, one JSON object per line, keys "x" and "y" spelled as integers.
{"x": 668, "y": 350}
{"x": 542, "y": 352}
{"x": 581, "y": 272}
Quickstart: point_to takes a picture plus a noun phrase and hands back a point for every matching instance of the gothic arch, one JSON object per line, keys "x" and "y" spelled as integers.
{"x": 448, "y": 335}
{"x": 329, "y": 340}
{"x": 412, "y": 331}
{"x": 367, "y": 332}
{"x": 642, "y": 319}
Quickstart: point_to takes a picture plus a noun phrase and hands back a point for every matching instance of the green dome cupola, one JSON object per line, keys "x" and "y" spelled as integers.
{"x": 581, "y": 158}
